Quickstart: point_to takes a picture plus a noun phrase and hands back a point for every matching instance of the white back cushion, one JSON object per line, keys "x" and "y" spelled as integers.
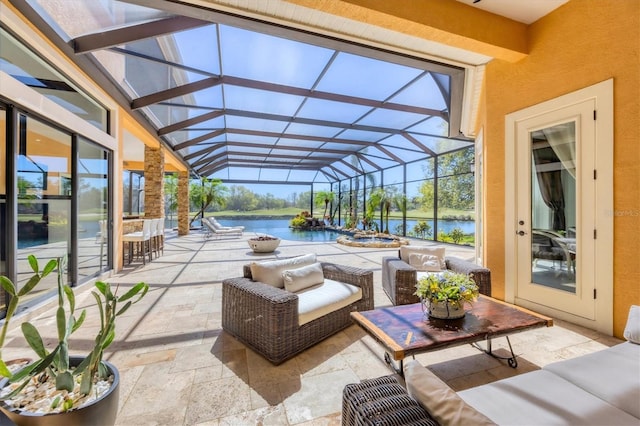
{"x": 270, "y": 272}
{"x": 301, "y": 278}
{"x": 405, "y": 252}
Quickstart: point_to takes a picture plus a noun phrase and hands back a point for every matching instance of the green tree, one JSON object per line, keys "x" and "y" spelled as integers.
{"x": 325, "y": 197}
{"x": 422, "y": 229}
{"x": 205, "y": 193}
{"x": 456, "y": 183}
{"x": 241, "y": 198}
{"x": 456, "y": 235}
{"x": 171, "y": 193}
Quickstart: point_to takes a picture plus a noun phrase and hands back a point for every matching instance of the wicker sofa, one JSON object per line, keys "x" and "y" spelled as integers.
{"x": 598, "y": 388}
{"x": 399, "y": 277}
{"x": 266, "y": 318}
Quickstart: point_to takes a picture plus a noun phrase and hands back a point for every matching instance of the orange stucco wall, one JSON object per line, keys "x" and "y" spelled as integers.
{"x": 579, "y": 44}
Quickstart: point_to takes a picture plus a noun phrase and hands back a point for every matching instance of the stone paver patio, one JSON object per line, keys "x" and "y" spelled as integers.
{"x": 178, "y": 367}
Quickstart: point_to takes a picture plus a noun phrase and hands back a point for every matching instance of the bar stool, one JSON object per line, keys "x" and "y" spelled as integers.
{"x": 160, "y": 235}
{"x": 142, "y": 240}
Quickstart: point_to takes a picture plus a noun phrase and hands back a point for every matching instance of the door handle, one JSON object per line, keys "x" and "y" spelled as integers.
{"x": 521, "y": 233}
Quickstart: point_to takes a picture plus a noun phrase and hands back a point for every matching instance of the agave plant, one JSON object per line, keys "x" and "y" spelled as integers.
{"x": 54, "y": 364}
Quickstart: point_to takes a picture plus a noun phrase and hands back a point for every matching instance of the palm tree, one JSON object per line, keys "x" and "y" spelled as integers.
{"x": 205, "y": 193}
{"x": 325, "y": 197}
{"x": 171, "y": 193}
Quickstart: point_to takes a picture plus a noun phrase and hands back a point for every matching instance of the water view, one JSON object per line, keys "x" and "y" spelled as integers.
{"x": 280, "y": 228}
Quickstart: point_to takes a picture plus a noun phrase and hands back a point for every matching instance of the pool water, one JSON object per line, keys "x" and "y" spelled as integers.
{"x": 280, "y": 228}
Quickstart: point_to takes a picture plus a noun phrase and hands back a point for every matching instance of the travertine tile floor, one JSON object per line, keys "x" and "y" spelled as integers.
{"x": 178, "y": 367}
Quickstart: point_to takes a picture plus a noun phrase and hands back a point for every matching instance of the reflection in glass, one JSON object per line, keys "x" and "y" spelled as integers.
{"x": 44, "y": 198}
{"x": 93, "y": 235}
{"x": 553, "y": 207}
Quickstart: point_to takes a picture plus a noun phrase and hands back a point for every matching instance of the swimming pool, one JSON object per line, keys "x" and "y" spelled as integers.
{"x": 280, "y": 228}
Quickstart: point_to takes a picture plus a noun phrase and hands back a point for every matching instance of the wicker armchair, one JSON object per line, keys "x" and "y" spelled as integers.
{"x": 381, "y": 401}
{"x": 265, "y": 318}
{"x": 399, "y": 278}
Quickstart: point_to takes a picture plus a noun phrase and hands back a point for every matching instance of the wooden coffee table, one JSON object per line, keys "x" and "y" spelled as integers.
{"x": 404, "y": 330}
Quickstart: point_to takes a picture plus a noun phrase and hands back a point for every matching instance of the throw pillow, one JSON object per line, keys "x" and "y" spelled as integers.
{"x": 301, "y": 278}
{"x": 425, "y": 262}
{"x": 431, "y": 263}
{"x": 632, "y": 329}
{"x": 270, "y": 272}
{"x": 444, "y": 405}
{"x": 406, "y": 251}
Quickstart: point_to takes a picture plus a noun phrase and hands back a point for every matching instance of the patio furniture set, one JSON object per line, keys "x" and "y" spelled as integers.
{"x": 281, "y": 307}
{"x": 599, "y": 388}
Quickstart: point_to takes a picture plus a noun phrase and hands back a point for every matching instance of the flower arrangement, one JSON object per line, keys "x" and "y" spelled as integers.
{"x": 452, "y": 287}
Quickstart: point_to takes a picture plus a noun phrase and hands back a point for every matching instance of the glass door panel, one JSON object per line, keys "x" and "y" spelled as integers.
{"x": 44, "y": 198}
{"x": 93, "y": 191}
{"x": 553, "y": 207}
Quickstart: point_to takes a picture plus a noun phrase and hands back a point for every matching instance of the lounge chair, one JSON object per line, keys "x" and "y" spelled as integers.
{"x": 218, "y": 225}
{"x": 211, "y": 230}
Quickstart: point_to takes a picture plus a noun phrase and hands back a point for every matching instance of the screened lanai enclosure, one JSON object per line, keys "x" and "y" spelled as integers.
{"x": 254, "y": 102}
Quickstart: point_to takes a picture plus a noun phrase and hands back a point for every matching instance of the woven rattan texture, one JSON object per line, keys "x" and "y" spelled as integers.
{"x": 381, "y": 401}
{"x": 399, "y": 278}
{"x": 265, "y": 318}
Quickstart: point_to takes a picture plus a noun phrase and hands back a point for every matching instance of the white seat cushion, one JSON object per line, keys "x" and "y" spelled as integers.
{"x": 319, "y": 300}
{"x": 542, "y": 398}
{"x": 612, "y": 374}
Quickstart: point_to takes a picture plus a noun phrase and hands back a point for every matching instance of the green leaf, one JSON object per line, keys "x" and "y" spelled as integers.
{"x": 11, "y": 309}
{"x": 109, "y": 339}
{"x": 33, "y": 262}
{"x": 82, "y": 366}
{"x": 61, "y": 321}
{"x": 32, "y": 336}
{"x": 15, "y": 391}
{"x": 55, "y": 402}
{"x": 134, "y": 290}
{"x": 102, "y": 287}
{"x": 79, "y": 321}
{"x": 86, "y": 383}
{"x": 4, "y": 370}
{"x": 64, "y": 381}
{"x": 8, "y": 285}
{"x": 64, "y": 357}
{"x": 124, "y": 308}
{"x": 49, "y": 267}
{"x": 33, "y": 281}
{"x": 71, "y": 297}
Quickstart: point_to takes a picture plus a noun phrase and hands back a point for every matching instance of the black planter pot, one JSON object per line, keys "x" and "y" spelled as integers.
{"x": 101, "y": 412}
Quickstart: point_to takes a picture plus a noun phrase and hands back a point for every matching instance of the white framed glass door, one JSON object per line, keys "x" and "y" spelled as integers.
{"x": 558, "y": 207}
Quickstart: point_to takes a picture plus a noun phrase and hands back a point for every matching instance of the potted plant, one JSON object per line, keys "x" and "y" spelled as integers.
{"x": 59, "y": 389}
{"x": 444, "y": 294}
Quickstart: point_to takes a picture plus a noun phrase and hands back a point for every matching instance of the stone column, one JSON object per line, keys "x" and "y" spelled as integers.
{"x": 183, "y": 203}
{"x": 153, "y": 182}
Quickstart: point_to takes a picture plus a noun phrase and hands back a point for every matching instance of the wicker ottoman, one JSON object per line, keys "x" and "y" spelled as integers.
{"x": 381, "y": 401}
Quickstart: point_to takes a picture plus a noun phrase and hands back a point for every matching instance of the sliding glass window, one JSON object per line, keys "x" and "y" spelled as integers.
{"x": 44, "y": 198}
{"x": 93, "y": 200}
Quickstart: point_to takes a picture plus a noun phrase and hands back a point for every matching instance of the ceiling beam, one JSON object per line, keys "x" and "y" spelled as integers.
{"x": 105, "y": 39}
